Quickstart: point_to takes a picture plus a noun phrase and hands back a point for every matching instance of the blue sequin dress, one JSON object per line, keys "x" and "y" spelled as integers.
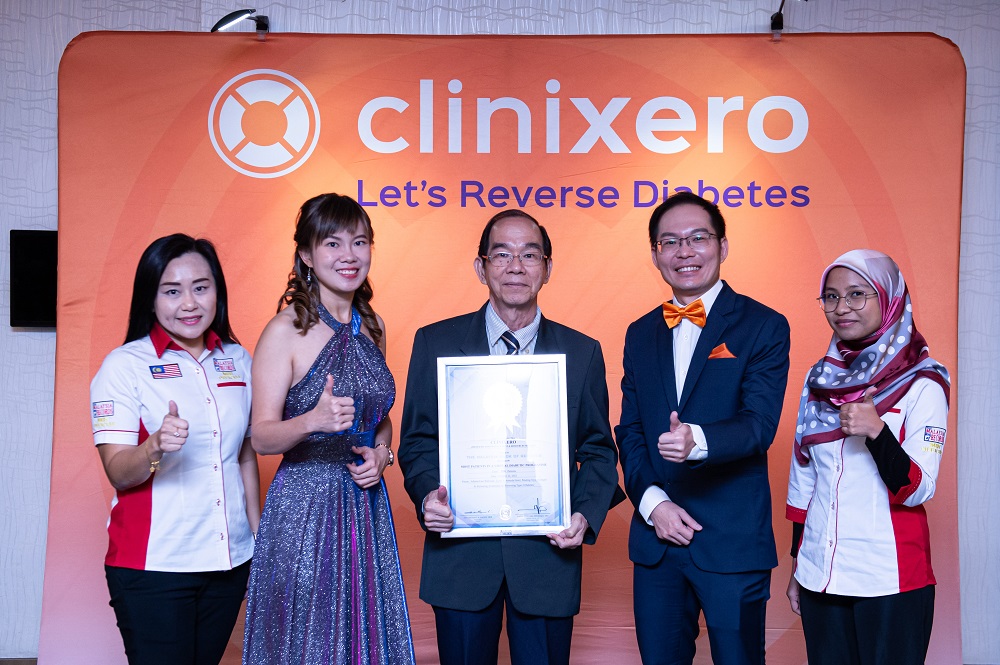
{"x": 325, "y": 585}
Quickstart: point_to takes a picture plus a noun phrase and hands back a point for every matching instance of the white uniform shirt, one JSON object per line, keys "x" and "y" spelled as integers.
{"x": 858, "y": 540}
{"x": 190, "y": 516}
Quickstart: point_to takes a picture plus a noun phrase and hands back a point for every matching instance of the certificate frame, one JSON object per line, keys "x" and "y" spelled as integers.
{"x": 504, "y": 444}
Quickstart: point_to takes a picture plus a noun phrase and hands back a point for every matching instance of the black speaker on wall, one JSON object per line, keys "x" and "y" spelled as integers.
{"x": 33, "y": 268}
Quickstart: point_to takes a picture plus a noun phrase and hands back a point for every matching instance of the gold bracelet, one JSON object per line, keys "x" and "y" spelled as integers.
{"x": 392, "y": 458}
{"x": 154, "y": 465}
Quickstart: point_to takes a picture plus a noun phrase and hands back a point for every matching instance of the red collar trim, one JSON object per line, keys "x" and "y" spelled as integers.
{"x": 162, "y": 341}
{"x": 212, "y": 341}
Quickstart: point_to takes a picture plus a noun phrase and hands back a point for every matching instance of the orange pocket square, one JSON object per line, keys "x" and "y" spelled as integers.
{"x": 720, "y": 352}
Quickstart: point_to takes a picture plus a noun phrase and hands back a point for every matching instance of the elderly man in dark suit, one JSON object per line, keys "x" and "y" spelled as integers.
{"x": 469, "y": 581}
{"x": 704, "y": 378}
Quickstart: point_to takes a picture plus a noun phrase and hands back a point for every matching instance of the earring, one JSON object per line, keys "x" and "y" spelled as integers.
{"x": 309, "y": 276}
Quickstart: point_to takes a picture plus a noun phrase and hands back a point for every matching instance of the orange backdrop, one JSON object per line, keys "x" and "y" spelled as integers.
{"x": 814, "y": 146}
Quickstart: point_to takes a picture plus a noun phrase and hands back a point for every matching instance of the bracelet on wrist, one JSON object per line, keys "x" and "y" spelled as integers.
{"x": 154, "y": 465}
{"x": 392, "y": 458}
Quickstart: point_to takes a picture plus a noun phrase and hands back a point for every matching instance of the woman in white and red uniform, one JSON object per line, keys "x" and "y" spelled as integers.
{"x": 171, "y": 410}
{"x": 870, "y": 432}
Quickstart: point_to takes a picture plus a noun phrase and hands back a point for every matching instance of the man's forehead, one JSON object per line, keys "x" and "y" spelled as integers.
{"x": 684, "y": 219}
{"x": 516, "y": 231}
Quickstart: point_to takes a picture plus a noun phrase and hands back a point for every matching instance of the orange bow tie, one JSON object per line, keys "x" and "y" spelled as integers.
{"x": 695, "y": 313}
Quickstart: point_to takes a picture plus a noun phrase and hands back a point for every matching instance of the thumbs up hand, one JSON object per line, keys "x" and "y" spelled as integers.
{"x": 676, "y": 445}
{"x": 437, "y": 513}
{"x": 860, "y": 418}
{"x": 675, "y": 422}
{"x": 331, "y": 413}
{"x": 173, "y": 432}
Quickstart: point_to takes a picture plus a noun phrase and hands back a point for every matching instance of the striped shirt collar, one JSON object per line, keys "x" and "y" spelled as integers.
{"x": 495, "y": 327}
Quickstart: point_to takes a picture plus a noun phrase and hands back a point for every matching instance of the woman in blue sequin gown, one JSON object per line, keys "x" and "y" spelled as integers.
{"x": 325, "y": 585}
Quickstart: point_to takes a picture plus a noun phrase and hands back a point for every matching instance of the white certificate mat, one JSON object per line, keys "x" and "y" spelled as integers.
{"x": 504, "y": 444}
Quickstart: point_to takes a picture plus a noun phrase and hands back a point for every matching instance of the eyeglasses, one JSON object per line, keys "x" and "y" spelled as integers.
{"x": 696, "y": 241}
{"x": 527, "y": 259}
{"x": 855, "y": 300}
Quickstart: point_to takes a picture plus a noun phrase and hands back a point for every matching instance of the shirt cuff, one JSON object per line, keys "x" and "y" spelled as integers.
{"x": 700, "y": 450}
{"x": 651, "y": 498}
{"x": 116, "y": 437}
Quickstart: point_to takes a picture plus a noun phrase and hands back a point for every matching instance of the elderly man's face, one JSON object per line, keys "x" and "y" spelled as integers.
{"x": 516, "y": 285}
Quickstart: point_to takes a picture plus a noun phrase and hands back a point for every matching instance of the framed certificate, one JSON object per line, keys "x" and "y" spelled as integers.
{"x": 504, "y": 444}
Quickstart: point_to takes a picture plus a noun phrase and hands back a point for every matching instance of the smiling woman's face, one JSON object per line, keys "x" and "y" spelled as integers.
{"x": 185, "y": 301}
{"x": 851, "y": 325}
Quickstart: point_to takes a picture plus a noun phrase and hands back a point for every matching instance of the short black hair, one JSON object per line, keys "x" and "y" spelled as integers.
{"x": 152, "y": 263}
{"x": 484, "y": 240}
{"x": 687, "y": 198}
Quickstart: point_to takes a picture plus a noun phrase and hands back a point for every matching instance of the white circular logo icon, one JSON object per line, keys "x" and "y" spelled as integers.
{"x": 264, "y": 123}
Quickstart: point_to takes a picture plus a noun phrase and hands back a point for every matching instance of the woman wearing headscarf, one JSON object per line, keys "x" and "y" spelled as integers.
{"x": 868, "y": 442}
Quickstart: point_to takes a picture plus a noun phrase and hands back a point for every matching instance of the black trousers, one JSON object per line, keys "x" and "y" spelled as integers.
{"x": 176, "y": 618}
{"x": 884, "y": 630}
{"x": 472, "y": 638}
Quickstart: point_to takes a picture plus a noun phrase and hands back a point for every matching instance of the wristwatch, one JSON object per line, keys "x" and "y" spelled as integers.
{"x": 392, "y": 458}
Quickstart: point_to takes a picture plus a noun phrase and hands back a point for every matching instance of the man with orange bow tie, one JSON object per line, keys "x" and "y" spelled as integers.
{"x": 704, "y": 380}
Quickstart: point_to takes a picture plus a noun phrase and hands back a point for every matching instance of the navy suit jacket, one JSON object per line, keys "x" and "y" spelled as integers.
{"x": 466, "y": 573}
{"x": 737, "y": 402}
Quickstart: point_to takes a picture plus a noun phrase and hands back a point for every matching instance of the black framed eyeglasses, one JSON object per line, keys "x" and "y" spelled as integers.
{"x": 696, "y": 241}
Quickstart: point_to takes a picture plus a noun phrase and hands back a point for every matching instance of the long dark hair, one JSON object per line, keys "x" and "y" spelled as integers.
{"x": 152, "y": 263}
{"x": 319, "y": 218}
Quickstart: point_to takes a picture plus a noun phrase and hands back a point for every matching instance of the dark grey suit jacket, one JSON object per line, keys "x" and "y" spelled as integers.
{"x": 466, "y": 573}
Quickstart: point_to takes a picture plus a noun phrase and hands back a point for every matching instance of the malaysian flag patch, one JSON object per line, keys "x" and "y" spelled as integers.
{"x": 165, "y": 371}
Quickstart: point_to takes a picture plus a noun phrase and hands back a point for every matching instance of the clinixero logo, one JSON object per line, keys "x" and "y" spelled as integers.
{"x": 264, "y": 123}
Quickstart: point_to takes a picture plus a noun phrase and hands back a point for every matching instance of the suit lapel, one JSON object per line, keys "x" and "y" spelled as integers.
{"x": 663, "y": 349}
{"x": 715, "y": 326}
{"x": 475, "y": 342}
{"x": 545, "y": 341}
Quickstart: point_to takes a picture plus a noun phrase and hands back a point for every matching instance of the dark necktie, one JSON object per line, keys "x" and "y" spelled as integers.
{"x": 510, "y": 342}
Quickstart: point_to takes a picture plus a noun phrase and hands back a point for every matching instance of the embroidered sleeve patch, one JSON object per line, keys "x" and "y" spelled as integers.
{"x": 226, "y": 373}
{"x": 165, "y": 371}
{"x": 103, "y": 409}
{"x": 224, "y": 365}
{"x": 934, "y": 434}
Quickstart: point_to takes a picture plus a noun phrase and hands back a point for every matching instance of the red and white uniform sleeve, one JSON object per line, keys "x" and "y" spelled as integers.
{"x": 925, "y": 427}
{"x": 115, "y": 407}
{"x": 801, "y": 483}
